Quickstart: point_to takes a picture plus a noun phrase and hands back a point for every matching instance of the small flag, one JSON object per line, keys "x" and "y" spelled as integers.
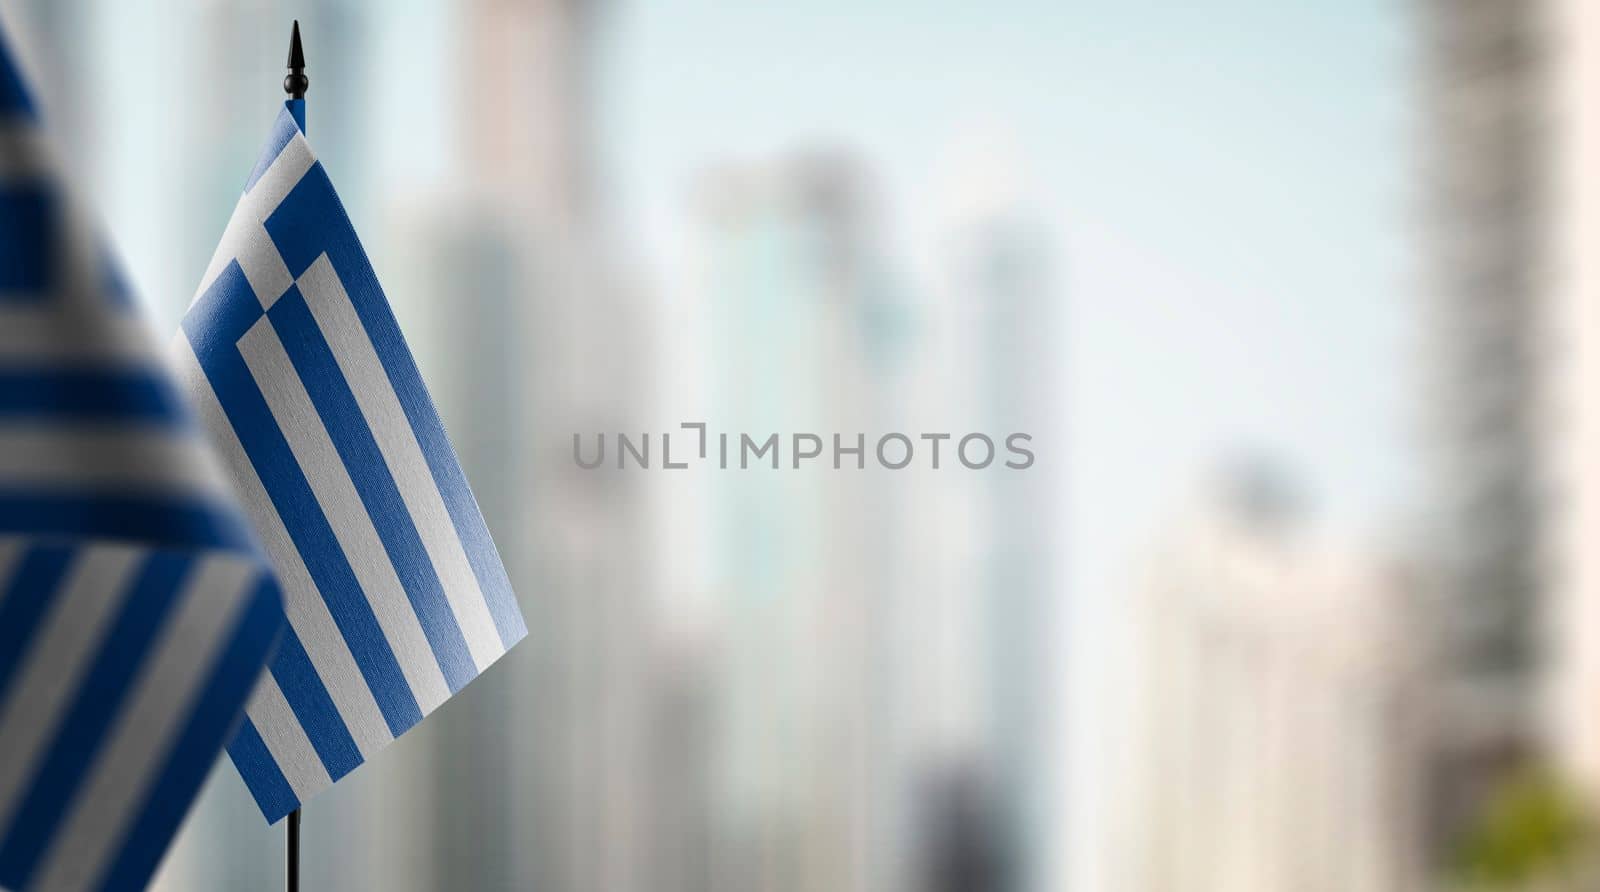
{"x": 135, "y": 611}
{"x": 395, "y": 594}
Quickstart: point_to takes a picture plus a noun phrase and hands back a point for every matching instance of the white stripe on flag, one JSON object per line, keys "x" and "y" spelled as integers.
{"x": 61, "y": 331}
{"x": 313, "y": 449}
{"x": 254, "y": 208}
{"x": 84, "y": 270}
{"x": 307, "y": 611}
{"x": 24, "y": 152}
{"x": 353, "y": 351}
{"x": 10, "y": 552}
{"x": 148, "y": 725}
{"x": 107, "y": 457}
{"x": 260, "y": 261}
{"x": 286, "y": 740}
{"x": 57, "y": 661}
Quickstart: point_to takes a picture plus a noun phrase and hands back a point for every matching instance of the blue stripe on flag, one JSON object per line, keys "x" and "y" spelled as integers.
{"x": 314, "y": 709}
{"x": 160, "y": 520}
{"x": 15, "y": 101}
{"x": 283, "y": 130}
{"x": 209, "y": 723}
{"x": 115, "y": 284}
{"x": 28, "y": 241}
{"x": 311, "y": 221}
{"x": 265, "y": 779}
{"x": 341, "y": 416}
{"x": 98, "y": 701}
{"x": 82, "y": 394}
{"x": 214, "y": 325}
{"x": 33, "y": 586}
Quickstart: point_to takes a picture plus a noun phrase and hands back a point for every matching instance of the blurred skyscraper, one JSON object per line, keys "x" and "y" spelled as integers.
{"x": 1277, "y": 730}
{"x": 880, "y": 717}
{"x": 1485, "y": 266}
{"x": 980, "y": 655}
{"x": 566, "y": 725}
{"x": 1571, "y": 426}
{"x": 1003, "y": 278}
{"x": 795, "y": 303}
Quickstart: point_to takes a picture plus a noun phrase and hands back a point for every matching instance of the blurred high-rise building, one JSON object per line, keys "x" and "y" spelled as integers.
{"x": 795, "y": 296}
{"x": 1572, "y": 423}
{"x": 1485, "y": 272}
{"x": 979, "y": 659}
{"x": 1003, "y": 278}
{"x": 1276, "y": 732}
{"x": 553, "y": 320}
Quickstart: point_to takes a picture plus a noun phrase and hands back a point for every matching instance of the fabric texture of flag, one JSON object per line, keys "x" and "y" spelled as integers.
{"x": 395, "y": 595}
{"x": 135, "y": 611}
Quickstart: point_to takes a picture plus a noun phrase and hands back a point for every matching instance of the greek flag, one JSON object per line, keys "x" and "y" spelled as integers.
{"x": 395, "y": 595}
{"x": 135, "y": 612}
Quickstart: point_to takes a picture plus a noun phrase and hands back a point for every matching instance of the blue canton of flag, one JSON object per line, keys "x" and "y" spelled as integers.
{"x": 395, "y": 595}
{"x": 135, "y": 611}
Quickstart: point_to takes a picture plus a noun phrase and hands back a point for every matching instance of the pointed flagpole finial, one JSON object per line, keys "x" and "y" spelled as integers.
{"x": 297, "y": 82}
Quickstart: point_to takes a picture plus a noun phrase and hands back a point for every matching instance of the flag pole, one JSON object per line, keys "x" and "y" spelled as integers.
{"x": 294, "y": 851}
{"x": 295, "y": 84}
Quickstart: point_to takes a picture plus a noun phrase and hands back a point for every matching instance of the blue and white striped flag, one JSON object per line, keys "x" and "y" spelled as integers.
{"x": 395, "y": 595}
{"x": 135, "y": 612}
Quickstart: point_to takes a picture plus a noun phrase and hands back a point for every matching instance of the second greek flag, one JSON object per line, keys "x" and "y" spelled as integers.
{"x": 395, "y": 594}
{"x": 135, "y": 610}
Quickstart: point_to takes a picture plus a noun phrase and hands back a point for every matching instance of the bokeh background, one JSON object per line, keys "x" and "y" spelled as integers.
{"x": 1296, "y": 300}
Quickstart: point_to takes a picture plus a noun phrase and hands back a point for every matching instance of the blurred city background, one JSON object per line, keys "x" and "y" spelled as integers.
{"x": 1294, "y": 299}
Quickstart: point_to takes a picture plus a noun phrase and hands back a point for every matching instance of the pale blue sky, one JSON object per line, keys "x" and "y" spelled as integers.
{"x": 1227, "y": 182}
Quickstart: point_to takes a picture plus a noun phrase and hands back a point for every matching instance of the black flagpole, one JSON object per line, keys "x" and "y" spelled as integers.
{"x": 295, "y": 85}
{"x": 294, "y": 851}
